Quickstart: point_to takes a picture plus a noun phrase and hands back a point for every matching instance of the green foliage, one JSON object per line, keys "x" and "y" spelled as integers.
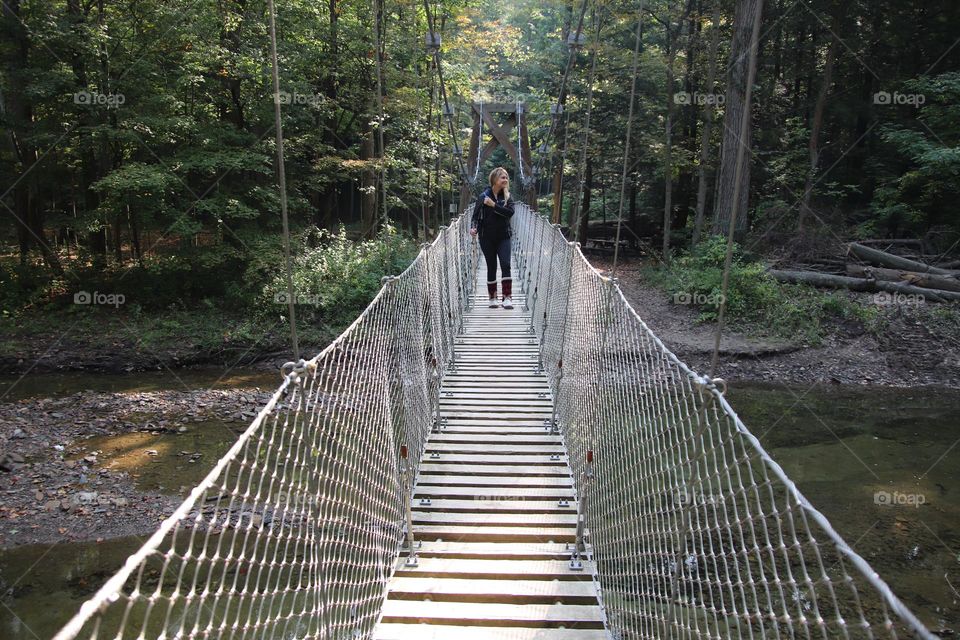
{"x": 922, "y": 186}
{"x": 336, "y": 277}
{"x": 754, "y": 299}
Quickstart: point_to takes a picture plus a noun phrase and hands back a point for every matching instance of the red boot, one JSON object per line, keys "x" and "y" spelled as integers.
{"x": 492, "y": 293}
{"x": 507, "y": 293}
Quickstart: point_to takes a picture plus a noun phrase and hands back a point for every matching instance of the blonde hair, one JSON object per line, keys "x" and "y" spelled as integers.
{"x": 494, "y": 175}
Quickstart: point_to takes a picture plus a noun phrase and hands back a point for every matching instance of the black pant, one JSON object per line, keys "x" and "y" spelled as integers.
{"x": 494, "y": 248}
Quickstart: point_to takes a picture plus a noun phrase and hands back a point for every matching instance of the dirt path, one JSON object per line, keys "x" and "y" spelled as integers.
{"x": 906, "y": 354}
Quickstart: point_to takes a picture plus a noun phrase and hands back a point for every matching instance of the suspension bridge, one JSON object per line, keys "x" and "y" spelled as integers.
{"x": 448, "y": 470}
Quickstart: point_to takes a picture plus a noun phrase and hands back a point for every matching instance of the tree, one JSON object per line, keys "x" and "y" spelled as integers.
{"x": 734, "y": 101}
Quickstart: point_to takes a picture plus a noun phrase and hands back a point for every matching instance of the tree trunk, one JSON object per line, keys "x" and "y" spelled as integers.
{"x": 925, "y": 280}
{"x": 668, "y": 157}
{"x": 17, "y": 110}
{"x": 118, "y": 238}
{"x": 135, "y": 236}
{"x": 814, "y": 145}
{"x": 231, "y": 39}
{"x": 896, "y": 262}
{"x": 818, "y": 279}
{"x": 734, "y": 111}
{"x": 368, "y": 184}
{"x": 707, "y": 125}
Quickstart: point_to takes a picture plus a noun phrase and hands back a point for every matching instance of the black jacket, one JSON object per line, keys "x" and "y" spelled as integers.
{"x": 492, "y": 222}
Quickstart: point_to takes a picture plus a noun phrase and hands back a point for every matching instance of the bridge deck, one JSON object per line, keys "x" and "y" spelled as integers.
{"x": 494, "y": 563}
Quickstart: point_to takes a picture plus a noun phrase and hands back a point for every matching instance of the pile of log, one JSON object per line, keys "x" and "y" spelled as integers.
{"x": 873, "y": 270}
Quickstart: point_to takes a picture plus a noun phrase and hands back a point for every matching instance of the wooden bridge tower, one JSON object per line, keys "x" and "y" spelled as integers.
{"x": 522, "y": 186}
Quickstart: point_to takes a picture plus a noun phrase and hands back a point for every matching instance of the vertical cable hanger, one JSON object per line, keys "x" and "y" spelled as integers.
{"x": 282, "y": 182}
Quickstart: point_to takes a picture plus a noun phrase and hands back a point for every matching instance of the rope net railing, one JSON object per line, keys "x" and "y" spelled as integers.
{"x": 695, "y": 530}
{"x": 295, "y": 532}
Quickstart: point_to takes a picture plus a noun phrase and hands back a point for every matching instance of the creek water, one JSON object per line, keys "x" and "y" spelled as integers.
{"x": 882, "y": 464}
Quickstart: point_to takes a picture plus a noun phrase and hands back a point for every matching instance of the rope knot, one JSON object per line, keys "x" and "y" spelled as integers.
{"x": 298, "y": 368}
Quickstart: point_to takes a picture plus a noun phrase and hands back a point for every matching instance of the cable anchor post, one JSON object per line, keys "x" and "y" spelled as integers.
{"x": 579, "y": 546}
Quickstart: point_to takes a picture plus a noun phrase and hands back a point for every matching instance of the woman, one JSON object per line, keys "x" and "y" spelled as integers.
{"x": 491, "y": 222}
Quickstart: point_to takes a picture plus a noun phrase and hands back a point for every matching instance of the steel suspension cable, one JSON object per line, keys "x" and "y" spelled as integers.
{"x": 578, "y": 196}
{"x": 562, "y": 93}
{"x": 282, "y": 182}
{"x": 438, "y": 67}
{"x": 626, "y": 145}
{"x": 378, "y": 25}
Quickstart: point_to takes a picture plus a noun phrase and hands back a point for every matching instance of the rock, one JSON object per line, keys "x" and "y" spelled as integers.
{"x": 10, "y": 461}
{"x": 92, "y": 458}
{"x": 152, "y": 452}
{"x": 120, "y": 502}
{"x": 52, "y": 505}
{"x": 84, "y": 497}
{"x": 18, "y": 433}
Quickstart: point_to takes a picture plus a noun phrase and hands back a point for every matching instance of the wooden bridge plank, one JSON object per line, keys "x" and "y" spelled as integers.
{"x": 508, "y": 589}
{"x": 500, "y": 569}
{"x": 488, "y": 500}
{"x": 428, "y": 479}
{"x": 495, "y": 520}
{"x": 479, "y": 613}
{"x": 446, "y": 632}
{"x": 473, "y": 492}
{"x": 470, "y": 472}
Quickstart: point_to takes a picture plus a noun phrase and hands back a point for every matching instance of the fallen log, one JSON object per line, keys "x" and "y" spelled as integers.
{"x": 925, "y": 280}
{"x": 829, "y": 281}
{"x": 885, "y": 259}
{"x": 892, "y": 241}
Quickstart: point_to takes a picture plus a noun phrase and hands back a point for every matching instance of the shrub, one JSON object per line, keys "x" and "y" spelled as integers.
{"x": 335, "y": 277}
{"x": 753, "y": 297}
